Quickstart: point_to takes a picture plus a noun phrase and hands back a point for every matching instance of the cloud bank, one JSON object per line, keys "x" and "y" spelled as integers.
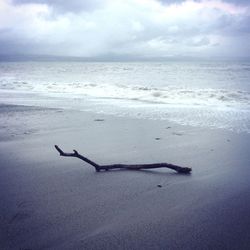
{"x": 123, "y": 28}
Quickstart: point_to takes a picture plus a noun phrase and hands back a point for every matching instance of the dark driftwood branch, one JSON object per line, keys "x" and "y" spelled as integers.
{"x": 126, "y": 166}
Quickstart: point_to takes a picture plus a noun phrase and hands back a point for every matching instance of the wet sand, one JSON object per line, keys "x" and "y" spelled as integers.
{"x": 53, "y": 202}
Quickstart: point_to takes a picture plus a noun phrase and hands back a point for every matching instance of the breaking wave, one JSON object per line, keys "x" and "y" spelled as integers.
{"x": 217, "y": 98}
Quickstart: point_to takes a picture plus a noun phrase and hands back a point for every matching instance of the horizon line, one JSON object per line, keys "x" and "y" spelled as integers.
{"x": 114, "y": 58}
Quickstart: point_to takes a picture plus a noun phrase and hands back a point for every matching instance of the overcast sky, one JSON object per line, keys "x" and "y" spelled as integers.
{"x": 123, "y": 28}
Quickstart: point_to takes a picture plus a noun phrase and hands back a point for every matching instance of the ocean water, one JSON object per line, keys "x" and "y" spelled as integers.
{"x": 204, "y": 94}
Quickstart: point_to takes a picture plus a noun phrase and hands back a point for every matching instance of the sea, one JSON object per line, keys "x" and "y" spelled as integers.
{"x": 210, "y": 94}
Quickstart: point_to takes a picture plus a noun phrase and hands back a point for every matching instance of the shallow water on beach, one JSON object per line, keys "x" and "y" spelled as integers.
{"x": 210, "y": 94}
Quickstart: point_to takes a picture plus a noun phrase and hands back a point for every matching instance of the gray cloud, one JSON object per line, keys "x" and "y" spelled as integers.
{"x": 66, "y": 6}
{"x": 145, "y": 28}
{"x": 236, "y": 2}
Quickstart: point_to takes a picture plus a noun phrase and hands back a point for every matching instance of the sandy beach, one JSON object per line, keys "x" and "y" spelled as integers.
{"x": 53, "y": 202}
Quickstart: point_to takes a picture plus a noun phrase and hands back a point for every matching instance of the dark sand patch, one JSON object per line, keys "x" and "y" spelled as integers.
{"x": 99, "y": 120}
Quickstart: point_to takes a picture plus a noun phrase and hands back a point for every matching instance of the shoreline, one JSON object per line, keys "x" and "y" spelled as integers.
{"x": 50, "y": 202}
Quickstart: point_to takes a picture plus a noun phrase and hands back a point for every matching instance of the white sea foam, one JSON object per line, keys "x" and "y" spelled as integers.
{"x": 214, "y": 98}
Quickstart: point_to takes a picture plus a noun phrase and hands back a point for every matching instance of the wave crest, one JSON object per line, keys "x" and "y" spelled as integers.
{"x": 164, "y": 95}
